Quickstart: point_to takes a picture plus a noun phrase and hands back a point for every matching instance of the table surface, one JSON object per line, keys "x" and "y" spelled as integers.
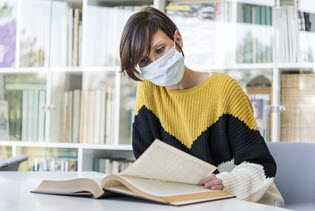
{"x": 15, "y": 195}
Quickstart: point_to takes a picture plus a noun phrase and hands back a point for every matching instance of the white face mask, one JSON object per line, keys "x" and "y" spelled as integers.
{"x": 167, "y": 70}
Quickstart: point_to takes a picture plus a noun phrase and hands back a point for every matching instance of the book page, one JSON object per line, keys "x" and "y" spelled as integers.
{"x": 68, "y": 187}
{"x": 162, "y": 161}
{"x": 164, "y": 188}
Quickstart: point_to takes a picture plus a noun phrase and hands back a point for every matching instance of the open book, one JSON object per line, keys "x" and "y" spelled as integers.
{"x": 162, "y": 173}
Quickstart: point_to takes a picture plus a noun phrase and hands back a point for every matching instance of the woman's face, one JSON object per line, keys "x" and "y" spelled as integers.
{"x": 160, "y": 44}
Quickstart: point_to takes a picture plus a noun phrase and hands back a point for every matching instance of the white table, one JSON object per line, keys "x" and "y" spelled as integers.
{"x": 15, "y": 195}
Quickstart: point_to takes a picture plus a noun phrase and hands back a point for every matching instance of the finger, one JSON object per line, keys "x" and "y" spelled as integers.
{"x": 207, "y": 179}
{"x": 217, "y": 187}
{"x": 213, "y": 183}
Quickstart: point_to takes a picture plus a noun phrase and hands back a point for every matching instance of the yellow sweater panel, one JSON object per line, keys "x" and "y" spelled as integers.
{"x": 186, "y": 113}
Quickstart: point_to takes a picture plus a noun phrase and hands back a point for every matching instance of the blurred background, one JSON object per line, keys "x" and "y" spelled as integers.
{"x": 64, "y": 103}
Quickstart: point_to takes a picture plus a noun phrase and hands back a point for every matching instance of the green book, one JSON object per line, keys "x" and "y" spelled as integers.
{"x": 96, "y": 164}
{"x": 257, "y": 15}
{"x": 35, "y": 115}
{"x": 25, "y": 115}
{"x": 268, "y": 16}
{"x": 18, "y": 110}
{"x": 258, "y": 44}
{"x": 9, "y": 96}
{"x": 247, "y": 14}
{"x": 269, "y": 23}
{"x": 41, "y": 116}
{"x": 263, "y": 15}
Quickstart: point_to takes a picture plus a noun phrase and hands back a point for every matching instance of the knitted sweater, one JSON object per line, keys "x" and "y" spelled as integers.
{"x": 214, "y": 122}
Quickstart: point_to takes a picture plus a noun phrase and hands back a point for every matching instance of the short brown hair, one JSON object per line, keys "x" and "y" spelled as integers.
{"x": 139, "y": 28}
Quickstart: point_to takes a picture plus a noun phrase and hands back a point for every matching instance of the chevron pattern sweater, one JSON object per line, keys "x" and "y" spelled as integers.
{"x": 212, "y": 121}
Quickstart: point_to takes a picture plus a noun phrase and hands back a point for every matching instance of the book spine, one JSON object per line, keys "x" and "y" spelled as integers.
{"x": 19, "y": 115}
{"x": 247, "y": 14}
{"x": 35, "y": 117}
{"x": 102, "y": 117}
{"x": 91, "y": 124}
{"x": 64, "y": 122}
{"x": 86, "y": 118}
{"x": 82, "y": 116}
{"x": 24, "y": 115}
{"x": 97, "y": 119}
{"x": 70, "y": 115}
{"x": 75, "y": 37}
{"x": 254, "y": 40}
{"x": 258, "y": 43}
{"x": 70, "y": 36}
{"x": 30, "y": 114}
{"x": 108, "y": 115}
{"x": 76, "y": 115}
{"x": 41, "y": 116}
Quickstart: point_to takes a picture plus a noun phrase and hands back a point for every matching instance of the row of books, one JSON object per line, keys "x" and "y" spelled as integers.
{"x": 110, "y": 166}
{"x": 220, "y": 11}
{"x": 293, "y": 45}
{"x": 25, "y": 95}
{"x": 256, "y": 46}
{"x": 89, "y": 116}
{"x": 55, "y": 164}
{"x": 297, "y": 122}
{"x": 304, "y": 21}
{"x": 65, "y": 34}
{"x": 103, "y": 31}
{"x": 26, "y": 117}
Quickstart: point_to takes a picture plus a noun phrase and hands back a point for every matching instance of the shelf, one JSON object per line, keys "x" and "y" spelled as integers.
{"x": 117, "y": 68}
{"x": 296, "y": 65}
{"x": 13, "y": 70}
{"x": 233, "y": 66}
{"x": 66, "y": 145}
{"x": 306, "y": 6}
{"x": 252, "y": 2}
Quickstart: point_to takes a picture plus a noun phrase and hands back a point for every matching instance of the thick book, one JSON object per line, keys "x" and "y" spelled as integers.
{"x": 162, "y": 174}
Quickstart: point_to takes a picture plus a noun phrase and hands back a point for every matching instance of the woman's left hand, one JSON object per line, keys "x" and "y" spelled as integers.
{"x": 212, "y": 182}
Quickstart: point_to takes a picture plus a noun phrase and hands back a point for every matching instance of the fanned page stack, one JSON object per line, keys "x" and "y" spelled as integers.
{"x": 162, "y": 173}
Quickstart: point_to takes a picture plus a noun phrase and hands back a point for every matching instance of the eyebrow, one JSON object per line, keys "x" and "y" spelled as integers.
{"x": 153, "y": 47}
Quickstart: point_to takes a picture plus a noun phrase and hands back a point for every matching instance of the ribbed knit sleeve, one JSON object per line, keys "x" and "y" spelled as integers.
{"x": 141, "y": 134}
{"x": 252, "y": 170}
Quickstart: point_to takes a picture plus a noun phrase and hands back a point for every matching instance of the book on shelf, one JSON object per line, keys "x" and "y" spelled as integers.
{"x": 54, "y": 164}
{"x": 111, "y": 165}
{"x": 157, "y": 175}
{"x": 293, "y": 37}
{"x": 89, "y": 116}
{"x": 256, "y": 46}
{"x": 77, "y": 24}
{"x": 4, "y": 120}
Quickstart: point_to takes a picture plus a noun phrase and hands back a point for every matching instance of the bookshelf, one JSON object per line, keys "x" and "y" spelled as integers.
{"x": 73, "y": 47}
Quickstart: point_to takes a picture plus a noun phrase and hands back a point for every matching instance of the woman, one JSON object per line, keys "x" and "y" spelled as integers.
{"x": 206, "y": 115}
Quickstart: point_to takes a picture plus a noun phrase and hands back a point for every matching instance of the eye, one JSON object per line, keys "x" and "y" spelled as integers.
{"x": 144, "y": 60}
{"x": 160, "y": 50}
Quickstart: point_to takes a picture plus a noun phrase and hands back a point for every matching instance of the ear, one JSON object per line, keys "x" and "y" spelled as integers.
{"x": 178, "y": 38}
